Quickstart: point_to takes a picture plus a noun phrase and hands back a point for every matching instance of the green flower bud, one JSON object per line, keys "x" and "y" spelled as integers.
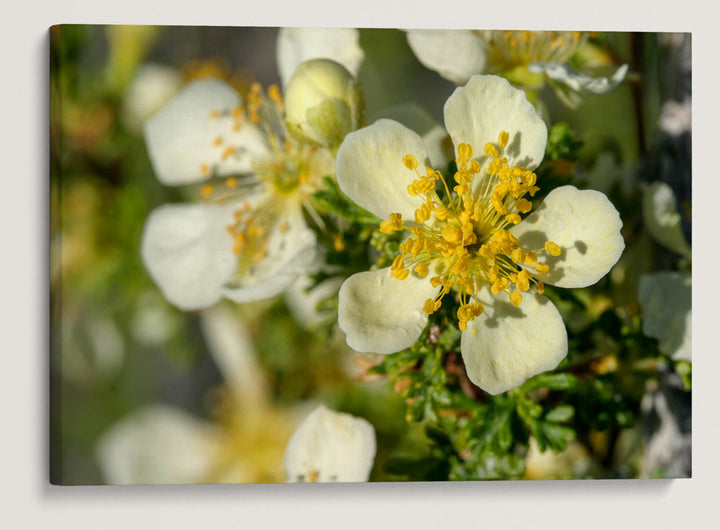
{"x": 323, "y": 102}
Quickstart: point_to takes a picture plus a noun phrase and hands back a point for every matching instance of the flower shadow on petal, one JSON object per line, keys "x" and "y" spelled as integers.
{"x": 498, "y": 310}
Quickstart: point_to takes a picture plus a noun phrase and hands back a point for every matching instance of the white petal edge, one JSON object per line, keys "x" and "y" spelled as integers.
{"x": 330, "y": 446}
{"x": 371, "y": 172}
{"x": 666, "y": 299}
{"x": 297, "y": 45}
{"x": 180, "y": 137}
{"x": 585, "y": 224}
{"x": 381, "y": 314}
{"x": 507, "y": 345}
{"x": 157, "y": 445}
{"x": 578, "y": 81}
{"x": 189, "y": 253}
{"x": 478, "y": 112}
{"x": 662, "y": 220}
{"x": 456, "y": 55}
{"x": 290, "y": 253}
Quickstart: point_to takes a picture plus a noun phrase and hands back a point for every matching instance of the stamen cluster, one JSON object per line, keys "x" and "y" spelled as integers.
{"x": 462, "y": 239}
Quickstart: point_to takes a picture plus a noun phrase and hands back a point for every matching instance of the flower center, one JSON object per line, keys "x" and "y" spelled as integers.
{"x": 462, "y": 240}
{"x": 284, "y": 173}
{"x": 508, "y": 49}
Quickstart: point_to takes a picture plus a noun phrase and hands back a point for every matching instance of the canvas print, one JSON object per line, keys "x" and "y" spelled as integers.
{"x": 361, "y": 254}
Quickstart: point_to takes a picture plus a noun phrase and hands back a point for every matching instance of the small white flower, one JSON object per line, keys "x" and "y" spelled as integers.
{"x": 528, "y": 58}
{"x": 473, "y": 241}
{"x": 248, "y": 240}
{"x": 666, "y": 299}
{"x": 162, "y": 444}
{"x": 330, "y": 446}
{"x": 662, "y": 219}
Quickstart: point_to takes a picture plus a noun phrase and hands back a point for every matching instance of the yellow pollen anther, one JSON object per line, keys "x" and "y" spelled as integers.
{"x": 542, "y": 268}
{"x": 515, "y": 298}
{"x": 410, "y": 161}
{"x": 393, "y": 225}
{"x": 205, "y": 169}
{"x": 513, "y": 218}
{"x": 228, "y": 151}
{"x": 491, "y": 151}
{"x": 503, "y": 139}
{"x": 465, "y": 153}
{"x": 552, "y": 249}
{"x": 275, "y": 96}
{"x": 206, "y": 190}
{"x": 231, "y": 182}
{"x": 540, "y": 287}
{"x": 523, "y": 205}
{"x": 217, "y": 141}
{"x": 401, "y": 274}
{"x": 214, "y": 114}
{"x": 421, "y": 269}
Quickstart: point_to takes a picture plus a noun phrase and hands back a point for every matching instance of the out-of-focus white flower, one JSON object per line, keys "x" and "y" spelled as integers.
{"x": 330, "y": 446}
{"x": 323, "y": 102}
{"x": 149, "y": 90}
{"x": 473, "y": 241}
{"x": 666, "y": 299}
{"x": 573, "y": 462}
{"x": 676, "y": 117}
{"x": 662, "y": 219}
{"x": 161, "y": 444}
{"x": 526, "y": 58}
{"x": 248, "y": 239}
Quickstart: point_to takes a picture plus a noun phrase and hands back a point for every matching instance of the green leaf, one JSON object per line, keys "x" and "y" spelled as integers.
{"x": 560, "y": 414}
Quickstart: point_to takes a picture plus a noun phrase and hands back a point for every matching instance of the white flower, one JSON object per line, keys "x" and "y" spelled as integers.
{"x": 662, "y": 220}
{"x": 676, "y": 117}
{"x": 248, "y": 240}
{"x": 162, "y": 444}
{"x": 666, "y": 299}
{"x": 330, "y": 446}
{"x": 528, "y": 58}
{"x": 473, "y": 241}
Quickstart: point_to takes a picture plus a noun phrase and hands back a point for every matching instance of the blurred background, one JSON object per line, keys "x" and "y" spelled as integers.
{"x": 117, "y": 347}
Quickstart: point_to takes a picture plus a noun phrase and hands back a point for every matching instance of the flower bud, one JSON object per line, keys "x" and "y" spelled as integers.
{"x": 323, "y": 102}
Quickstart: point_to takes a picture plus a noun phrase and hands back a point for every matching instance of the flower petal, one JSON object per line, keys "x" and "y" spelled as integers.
{"x": 371, "y": 172}
{"x": 662, "y": 220}
{"x": 666, "y": 299}
{"x": 580, "y": 82}
{"x": 585, "y": 225}
{"x": 297, "y": 45}
{"x": 488, "y": 105}
{"x": 232, "y": 350}
{"x": 157, "y": 445}
{"x": 382, "y": 314}
{"x": 456, "y": 55}
{"x": 330, "y": 446}
{"x": 189, "y": 253}
{"x": 291, "y": 251}
{"x": 151, "y": 88}
{"x": 506, "y": 345}
{"x": 181, "y": 137}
